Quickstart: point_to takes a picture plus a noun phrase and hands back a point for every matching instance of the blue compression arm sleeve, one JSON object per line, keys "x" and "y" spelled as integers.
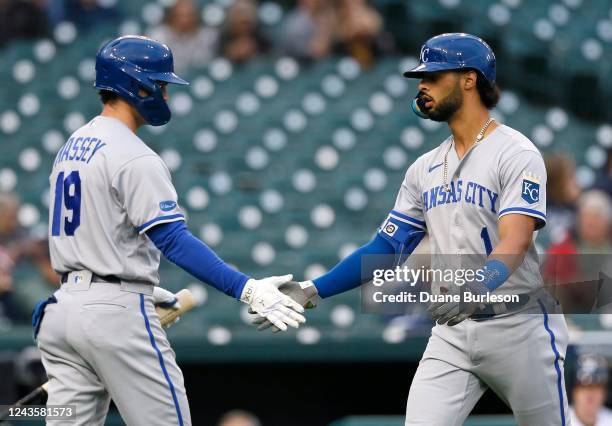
{"x": 394, "y": 237}
{"x": 346, "y": 275}
{"x": 180, "y": 247}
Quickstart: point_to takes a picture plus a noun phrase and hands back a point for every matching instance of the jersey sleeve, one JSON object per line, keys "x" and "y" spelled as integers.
{"x": 144, "y": 188}
{"x": 523, "y": 186}
{"x": 409, "y": 204}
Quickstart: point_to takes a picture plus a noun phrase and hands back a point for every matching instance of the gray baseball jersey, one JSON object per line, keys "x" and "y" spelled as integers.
{"x": 502, "y": 174}
{"x": 519, "y": 356}
{"x": 104, "y": 340}
{"x": 107, "y": 189}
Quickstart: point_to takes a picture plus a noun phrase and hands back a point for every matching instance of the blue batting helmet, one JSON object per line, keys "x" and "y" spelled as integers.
{"x": 455, "y": 51}
{"x": 131, "y": 63}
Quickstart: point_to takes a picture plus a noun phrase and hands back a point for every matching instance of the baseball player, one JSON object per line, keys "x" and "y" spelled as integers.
{"x": 480, "y": 192}
{"x": 113, "y": 210}
{"x": 589, "y": 392}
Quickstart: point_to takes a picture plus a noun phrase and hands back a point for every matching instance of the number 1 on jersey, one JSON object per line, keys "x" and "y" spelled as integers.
{"x": 69, "y": 191}
{"x": 484, "y": 234}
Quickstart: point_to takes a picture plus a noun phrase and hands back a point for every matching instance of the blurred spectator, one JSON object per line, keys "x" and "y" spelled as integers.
{"x": 239, "y": 418}
{"x": 580, "y": 258}
{"x": 192, "y": 44}
{"x": 604, "y": 179}
{"x": 593, "y": 228}
{"x": 308, "y": 30}
{"x": 84, "y": 13}
{"x": 589, "y": 392}
{"x": 7, "y": 307}
{"x": 17, "y": 242}
{"x": 241, "y": 37}
{"x": 562, "y": 192}
{"x": 22, "y": 19}
{"x": 359, "y": 30}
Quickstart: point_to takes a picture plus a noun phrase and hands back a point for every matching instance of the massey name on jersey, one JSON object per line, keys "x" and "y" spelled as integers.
{"x": 79, "y": 149}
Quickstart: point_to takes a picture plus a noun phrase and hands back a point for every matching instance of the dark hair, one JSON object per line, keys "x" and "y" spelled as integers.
{"x": 489, "y": 92}
{"x": 106, "y": 96}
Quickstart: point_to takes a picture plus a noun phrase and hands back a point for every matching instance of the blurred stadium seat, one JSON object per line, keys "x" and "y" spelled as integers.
{"x": 284, "y": 167}
{"x": 287, "y": 167}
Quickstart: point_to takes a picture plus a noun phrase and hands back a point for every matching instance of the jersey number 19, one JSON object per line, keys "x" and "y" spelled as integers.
{"x": 67, "y": 190}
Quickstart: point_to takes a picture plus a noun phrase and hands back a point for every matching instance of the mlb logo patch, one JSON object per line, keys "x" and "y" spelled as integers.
{"x": 167, "y": 206}
{"x": 389, "y": 228}
{"x": 78, "y": 279}
{"x": 530, "y": 188}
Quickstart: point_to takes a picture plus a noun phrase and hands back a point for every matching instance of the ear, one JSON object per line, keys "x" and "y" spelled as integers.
{"x": 469, "y": 79}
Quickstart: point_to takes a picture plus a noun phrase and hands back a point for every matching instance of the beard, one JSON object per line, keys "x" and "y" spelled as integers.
{"x": 446, "y": 108}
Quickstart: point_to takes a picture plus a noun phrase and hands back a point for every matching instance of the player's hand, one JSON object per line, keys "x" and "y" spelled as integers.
{"x": 263, "y": 297}
{"x": 305, "y": 293}
{"x": 453, "y": 313}
{"x": 165, "y": 299}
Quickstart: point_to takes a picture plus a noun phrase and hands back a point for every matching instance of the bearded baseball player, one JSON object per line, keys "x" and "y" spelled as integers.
{"x": 113, "y": 211}
{"x": 480, "y": 192}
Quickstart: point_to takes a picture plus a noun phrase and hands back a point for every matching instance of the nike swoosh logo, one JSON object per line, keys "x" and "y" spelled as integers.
{"x": 434, "y": 167}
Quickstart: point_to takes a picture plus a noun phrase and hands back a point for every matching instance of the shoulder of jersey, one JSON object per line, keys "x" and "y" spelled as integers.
{"x": 514, "y": 141}
{"x": 123, "y": 144}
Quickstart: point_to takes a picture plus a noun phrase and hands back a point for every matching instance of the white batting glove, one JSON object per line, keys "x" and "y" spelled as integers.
{"x": 305, "y": 293}
{"x": 264, "y": 297}
{"x": 166, "y": 299}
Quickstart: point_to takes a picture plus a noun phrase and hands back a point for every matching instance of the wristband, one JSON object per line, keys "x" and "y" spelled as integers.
{"x": 495, "y": 273}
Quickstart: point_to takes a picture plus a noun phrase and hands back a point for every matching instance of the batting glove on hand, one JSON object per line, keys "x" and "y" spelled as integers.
{"x": 165, "y": 299}
{"x": 305, "y": 293}
{"x": 452, "y": 313}
{"x": 263, "y": 297}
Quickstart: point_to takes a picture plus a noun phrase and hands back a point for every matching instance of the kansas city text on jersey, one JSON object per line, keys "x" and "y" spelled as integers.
{"x": 472, "y": 193}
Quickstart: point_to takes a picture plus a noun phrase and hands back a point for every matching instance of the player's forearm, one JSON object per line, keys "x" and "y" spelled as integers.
{"x": 186, "y": 251}
{"x": 511, "y": 251}
{"x": 507, "y": 256}
{"x": 394, "y": 242}
{"x": 347, "y": 274}
{"x": 516, "y": 236}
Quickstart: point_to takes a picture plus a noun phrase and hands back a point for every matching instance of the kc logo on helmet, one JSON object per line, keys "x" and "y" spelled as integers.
{"x": 530, "y": 189}
{"x": 424, "y": 53}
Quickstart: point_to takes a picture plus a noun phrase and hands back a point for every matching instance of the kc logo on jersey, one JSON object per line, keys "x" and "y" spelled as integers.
{"x": 530, "y": 189}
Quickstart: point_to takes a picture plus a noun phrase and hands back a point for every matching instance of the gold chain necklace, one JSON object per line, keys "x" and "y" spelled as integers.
{"x": 479, "y": 137}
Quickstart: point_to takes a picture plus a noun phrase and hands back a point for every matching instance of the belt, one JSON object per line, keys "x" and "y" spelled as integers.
{"x": 493, "y": 310}
{"x": 112, "y": 279}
